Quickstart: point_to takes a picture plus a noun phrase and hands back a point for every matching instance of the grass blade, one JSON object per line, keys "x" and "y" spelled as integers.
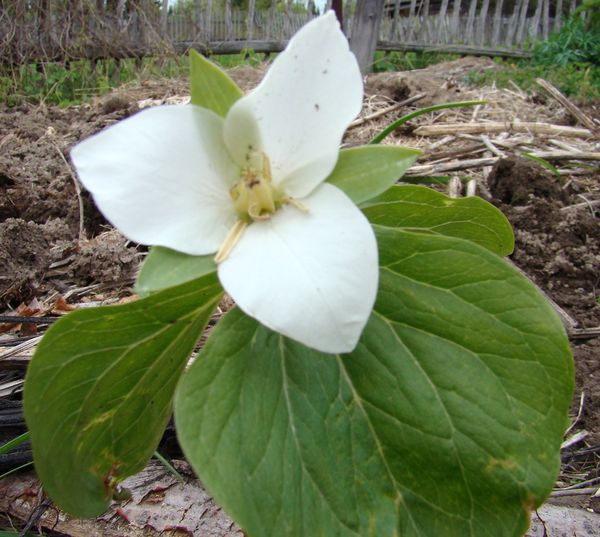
{"x": 401, "y": 121}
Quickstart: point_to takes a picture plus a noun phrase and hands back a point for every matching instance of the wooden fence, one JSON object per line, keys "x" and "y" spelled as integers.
{"x": 492, "y": 27}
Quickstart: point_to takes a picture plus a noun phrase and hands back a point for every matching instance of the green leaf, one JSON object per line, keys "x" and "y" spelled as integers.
{"x": 99, "y": 388}
{"x": 164, "y": 268}
{"x": 210, "y": 86}
{"x": 404, "y": 119}
{"x": 367, "y": 171}
{"x": 446, "y": 420}
{"x": 419, "y": 208}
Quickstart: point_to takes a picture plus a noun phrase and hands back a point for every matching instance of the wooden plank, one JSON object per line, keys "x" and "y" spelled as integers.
{"x": 263, "y": 46}
{"x": 230, "y": 47}
{"x": 452, "y": 49}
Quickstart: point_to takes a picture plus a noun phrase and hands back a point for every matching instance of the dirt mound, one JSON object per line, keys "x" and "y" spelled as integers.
{"x": 442, "y": 83}
{"x": 516, "y": 180}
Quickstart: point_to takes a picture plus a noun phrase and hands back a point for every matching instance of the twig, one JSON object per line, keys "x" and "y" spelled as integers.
{"x": 35, "y": 516}
{"x": 491, "y": 146}
{"x": 576, "y": 492}
{"x": 437, "y": 169}
{"x": 593, "y": 481}
{"x": 502, "y": 126}
{"x": 584, "y": 333}
{"x": 574, "y": 110}
{"x": 454, "y": 187}
{"x": 443, "y": 141}
{"x": 385, "y": 111}
{"x": 579, "y": 411}
{"x": 77, "y": 190}
{"x": 567, "y": 155}
{"x": 26, "y": 345}
{"x": 575, "y": 439}
{"x": 588, "y": 203}
{"x": 16, "y": 319}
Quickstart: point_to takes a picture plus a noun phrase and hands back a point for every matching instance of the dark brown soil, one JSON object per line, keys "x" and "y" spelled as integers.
{"x": 39, "y": 206}
{"x": 560, "y": 251}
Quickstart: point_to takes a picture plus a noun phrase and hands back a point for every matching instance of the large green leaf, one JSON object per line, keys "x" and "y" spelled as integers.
{"x": 165, "y": 268}
{"x": 445, "y": 421}
{"x": 366, "y": 171}
{"x": 420, "y": 208}
{"x": 211, "y": 87}
{"x": 99, "y": 388}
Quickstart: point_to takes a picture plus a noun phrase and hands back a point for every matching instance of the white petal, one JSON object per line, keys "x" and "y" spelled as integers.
{"x": 310, "y": 276}
{"x": 301, "y": 108}
{"x": 162, "y": 177}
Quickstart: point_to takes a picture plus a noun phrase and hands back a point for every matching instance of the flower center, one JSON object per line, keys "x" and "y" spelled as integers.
{"x": 255, "y": 199}
{"x": 253, "y": 195}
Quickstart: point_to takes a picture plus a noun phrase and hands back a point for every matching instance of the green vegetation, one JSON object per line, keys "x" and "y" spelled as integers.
{"x": 575, "y": 80}
{"x": 405, "y": 61}
{"x": 577, "y": 42}
{"x": 69, "y": 83}
{"x": 73, "y": 82}
{"x": 569, "y": 59}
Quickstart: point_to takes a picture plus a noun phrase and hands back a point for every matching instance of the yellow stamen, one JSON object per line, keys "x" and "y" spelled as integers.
{"x": 294, "y": 203}
{"x": 233, "y": 237}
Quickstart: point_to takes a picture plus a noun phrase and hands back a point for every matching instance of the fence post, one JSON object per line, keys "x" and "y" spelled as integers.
{"x": 208, "y": 20}
{"x": 558, "y": 15}
{"x": 454, "y": 21}
{"x": 228, "y": 23}
{"x": 513, "y": 23}
{"x": 471, "y": 22}
{"x": 522, "y": 22}
{"x": 441, "y": 28}
{"x": 483, "y": 23}
{"x": 250, "y": 20}
{"x": 365, "y": 31}
{"x": 163, "y": 18}
{"x": 497, "y": 22}
{"x": 546, "y": 19}
{"x": 534, "y": 26}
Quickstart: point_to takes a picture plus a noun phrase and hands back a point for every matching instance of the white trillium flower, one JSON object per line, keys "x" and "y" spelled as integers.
{"x": 293, "y": 251}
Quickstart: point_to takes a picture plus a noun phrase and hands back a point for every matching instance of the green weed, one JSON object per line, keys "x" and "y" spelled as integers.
{"x": 580, "y": 80}
{"x": 74, "y": 82}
